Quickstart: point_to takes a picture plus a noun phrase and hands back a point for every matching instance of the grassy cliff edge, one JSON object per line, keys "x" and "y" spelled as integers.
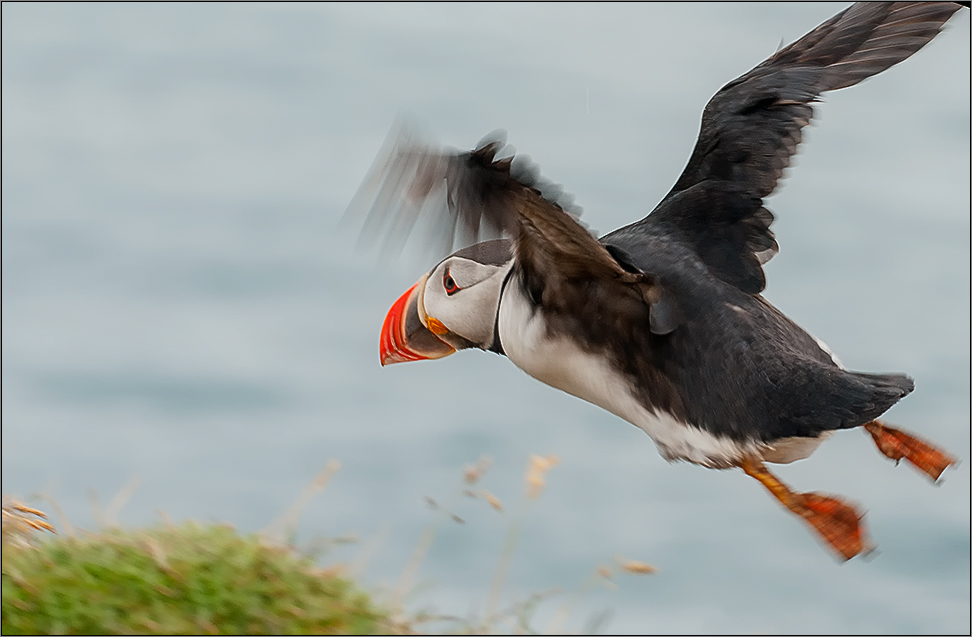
{"x": 186, "y": 579}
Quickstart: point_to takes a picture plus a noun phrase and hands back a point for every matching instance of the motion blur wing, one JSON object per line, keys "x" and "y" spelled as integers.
{"x": 457, "y": 198}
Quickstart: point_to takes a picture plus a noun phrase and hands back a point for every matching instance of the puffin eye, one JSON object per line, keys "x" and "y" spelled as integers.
{"x": 449, "y": 284}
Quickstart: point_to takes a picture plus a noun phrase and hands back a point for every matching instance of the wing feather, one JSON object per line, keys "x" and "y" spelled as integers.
{"x": 753, "y": 126}
{"x": 485, "y": 190}
{"x": 463, "y": 197}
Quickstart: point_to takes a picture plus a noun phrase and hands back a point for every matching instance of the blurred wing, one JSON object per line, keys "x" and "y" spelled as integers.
{"x": 752, "y": 127}
{"x": 455, "y": 198}
{"x": 469, "y": 194}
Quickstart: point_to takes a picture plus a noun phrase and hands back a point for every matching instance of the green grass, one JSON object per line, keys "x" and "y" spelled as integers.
{"x": 187, "y": 579}
{"x": 209, "y": 579}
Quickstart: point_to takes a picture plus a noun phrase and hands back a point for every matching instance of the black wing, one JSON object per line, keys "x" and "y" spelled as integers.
{"x": 752, "y": 127}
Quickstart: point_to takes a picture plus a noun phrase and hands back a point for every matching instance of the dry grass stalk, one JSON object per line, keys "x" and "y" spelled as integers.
{"x": 536, "y": 471}
{"x": 537, "y": 468}
{"x": 492, "y": 500}
{"x": 286, "y": 524}
{"x": 602, "y": 576}
{"x": 119, "y": 501}
{"x": 63, "y": 523}
{"x": 637, "y": 568}
{"x": 473, "y": 473}
{"x": 20, "y": 522}
{"x": 407, "y": 581}
{"x": 357, "y": 568}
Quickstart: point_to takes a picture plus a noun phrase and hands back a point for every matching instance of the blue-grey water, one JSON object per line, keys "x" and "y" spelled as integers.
{"x": 180, "y": 306}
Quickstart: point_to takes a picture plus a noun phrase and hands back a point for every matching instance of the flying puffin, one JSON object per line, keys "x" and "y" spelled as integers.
{"x": 661, "y": 322}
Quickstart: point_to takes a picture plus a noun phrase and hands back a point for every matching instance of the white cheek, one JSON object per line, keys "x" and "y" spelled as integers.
{"x": 469, "y": 313}
{"x": 437, "y": 302}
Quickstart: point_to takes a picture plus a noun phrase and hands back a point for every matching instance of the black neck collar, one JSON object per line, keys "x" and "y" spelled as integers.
{"x": 496, "y": 345}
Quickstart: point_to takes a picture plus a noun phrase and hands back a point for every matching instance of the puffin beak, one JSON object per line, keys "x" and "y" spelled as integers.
{"x": 404, "y": 335}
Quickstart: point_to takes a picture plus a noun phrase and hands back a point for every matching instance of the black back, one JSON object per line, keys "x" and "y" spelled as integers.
{"x": 736, "y": 366}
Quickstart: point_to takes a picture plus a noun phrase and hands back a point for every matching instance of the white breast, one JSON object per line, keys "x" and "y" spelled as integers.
{"x": 561, "y": 363}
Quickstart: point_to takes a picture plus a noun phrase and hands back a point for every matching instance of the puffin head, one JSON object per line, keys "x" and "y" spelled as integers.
{"x": 452, "y": 307}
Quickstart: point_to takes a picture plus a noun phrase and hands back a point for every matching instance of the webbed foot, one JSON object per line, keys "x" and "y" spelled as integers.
{"x": 837, "y": 522}
{"x": 897, "y": 444}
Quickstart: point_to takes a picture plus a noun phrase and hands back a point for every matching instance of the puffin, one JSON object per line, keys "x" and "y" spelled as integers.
{"x": 660, "y": 322}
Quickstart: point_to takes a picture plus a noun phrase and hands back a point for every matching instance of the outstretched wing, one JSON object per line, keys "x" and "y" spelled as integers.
{"x": 752, "y": 127}
{"x": 458, "y": 197}
{"x": 470, "y": 195}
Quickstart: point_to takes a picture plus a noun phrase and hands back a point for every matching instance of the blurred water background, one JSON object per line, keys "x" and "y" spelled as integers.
{"x": 180, "y": 307}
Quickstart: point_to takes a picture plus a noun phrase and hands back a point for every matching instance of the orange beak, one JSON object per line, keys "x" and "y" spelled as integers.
{"x": 404, "y": 335}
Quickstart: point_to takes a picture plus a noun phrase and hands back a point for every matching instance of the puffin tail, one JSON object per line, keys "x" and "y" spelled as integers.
{"x": 881, "y": 392}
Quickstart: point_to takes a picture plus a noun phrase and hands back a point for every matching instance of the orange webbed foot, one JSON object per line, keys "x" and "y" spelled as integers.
{"x": 897, "y": 444}
{"x": 837, "y": 522}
